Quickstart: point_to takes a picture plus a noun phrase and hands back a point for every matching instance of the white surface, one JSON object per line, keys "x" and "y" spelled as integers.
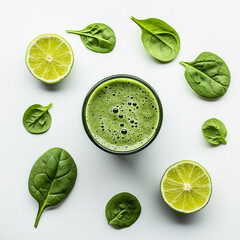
{"x": 203, "y": 26}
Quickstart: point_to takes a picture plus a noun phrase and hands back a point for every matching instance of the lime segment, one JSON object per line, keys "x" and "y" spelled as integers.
{"x": 49, "y": 58}
{"x": 186, "y": 186}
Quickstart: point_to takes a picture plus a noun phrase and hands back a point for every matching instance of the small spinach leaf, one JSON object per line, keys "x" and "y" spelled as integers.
{"x": 208, "y": 75}
{"x": 159, "y": 39}
{"x": 52, "y": 178}
{"x": 214, "y": 131}
{"x": 37, "y": 119}
{"x": 122, "y": 210}
{"x": 97, "y": 37}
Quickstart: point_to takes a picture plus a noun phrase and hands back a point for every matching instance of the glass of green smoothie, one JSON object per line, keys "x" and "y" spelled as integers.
{"x": 122, "y": 114}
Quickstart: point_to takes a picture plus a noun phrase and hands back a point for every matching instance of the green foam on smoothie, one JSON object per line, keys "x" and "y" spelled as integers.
{"x": 122, "y": 114}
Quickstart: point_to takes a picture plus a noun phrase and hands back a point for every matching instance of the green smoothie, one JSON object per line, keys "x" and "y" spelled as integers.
{"x": 122, "y": 114}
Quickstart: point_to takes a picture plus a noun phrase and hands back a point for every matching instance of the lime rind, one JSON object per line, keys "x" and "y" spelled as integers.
{"x": 182, "y": 195}
{"x": 58, "y": 60}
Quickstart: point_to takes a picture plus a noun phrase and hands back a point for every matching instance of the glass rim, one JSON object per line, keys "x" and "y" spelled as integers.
{"x": 112, "y": 77}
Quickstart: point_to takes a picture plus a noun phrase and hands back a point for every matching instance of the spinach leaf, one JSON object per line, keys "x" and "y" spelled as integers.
{"x": 37, "y": 119}
{"x": 122, "y": 210}
{"x": 214, "y": 131}
{"x": 208, "y": 75}
{"x": 97, "y": 37}
{"x": 52, "y": 178}
{"x": 159, "y": 39}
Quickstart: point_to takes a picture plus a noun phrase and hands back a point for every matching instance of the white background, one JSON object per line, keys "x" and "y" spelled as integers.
{"x": 206, "y": 25}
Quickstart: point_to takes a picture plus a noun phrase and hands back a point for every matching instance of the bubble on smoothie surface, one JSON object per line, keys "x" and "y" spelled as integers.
{"x": 115, "y": 110}
{"x": 124, "y": 131}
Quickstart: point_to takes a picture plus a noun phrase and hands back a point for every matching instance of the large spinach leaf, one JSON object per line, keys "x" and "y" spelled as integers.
{"x": 97, "y": 37}
{"x": 122, "y": 210}
{"x": 214, "y": 131}
{"x": 52, "y": 178}
{"x": 208, "y": 75}
{"x": 159, "y": 39}
{"x": 37, "y": 119}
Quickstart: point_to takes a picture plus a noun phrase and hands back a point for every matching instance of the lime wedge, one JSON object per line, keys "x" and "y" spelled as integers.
{"x": 186, "y": 186}
{"x": 49, "y": 58}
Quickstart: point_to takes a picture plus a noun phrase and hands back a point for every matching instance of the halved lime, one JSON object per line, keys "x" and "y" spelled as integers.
{"x": 186, "y": 186}
{"x": 49, "y": 58}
